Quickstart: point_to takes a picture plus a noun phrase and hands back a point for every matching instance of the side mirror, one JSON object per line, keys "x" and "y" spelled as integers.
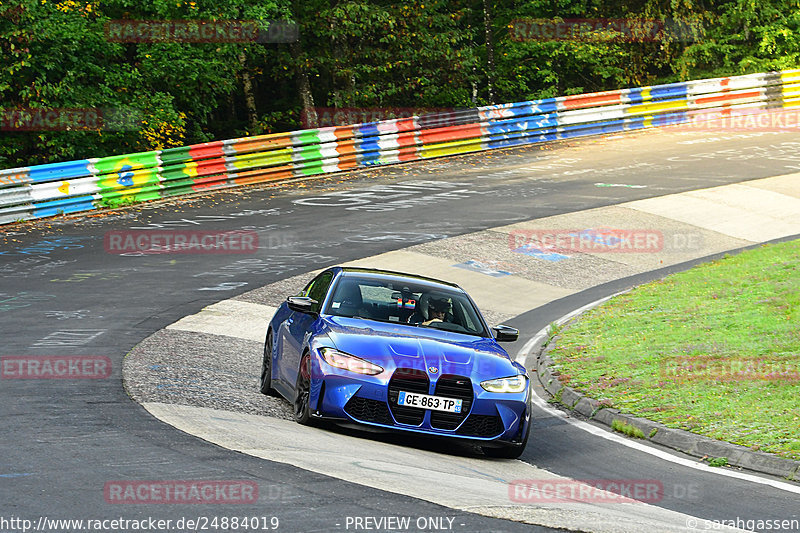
{"x": 301, "y": 304}
{"x": 503, "y": 333}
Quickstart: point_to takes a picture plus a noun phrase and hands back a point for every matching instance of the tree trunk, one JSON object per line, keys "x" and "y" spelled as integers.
{"x": 487, "y": 24}
{"x": 310, "y": 119}
{"x": 249, "y": 96}
{"x": 309, "y": 115}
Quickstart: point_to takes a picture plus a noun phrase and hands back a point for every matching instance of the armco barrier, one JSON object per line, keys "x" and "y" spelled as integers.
{"x": 74, "y": 186}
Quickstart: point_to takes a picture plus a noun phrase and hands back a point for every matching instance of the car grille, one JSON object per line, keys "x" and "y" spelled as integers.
{"x": 481, "y": 426}
{"x": 451, "y": 386}
{"x": 368, "y": 410}
{"x": 408, "y": 380}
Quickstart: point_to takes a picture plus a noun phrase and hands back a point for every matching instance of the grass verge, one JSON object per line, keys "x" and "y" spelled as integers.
{"x": 714, "y": 350}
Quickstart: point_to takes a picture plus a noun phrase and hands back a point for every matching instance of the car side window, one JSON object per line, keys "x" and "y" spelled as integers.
{"x": 318, "y": 288}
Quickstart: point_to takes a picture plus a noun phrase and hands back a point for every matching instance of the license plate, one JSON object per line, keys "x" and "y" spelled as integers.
{"x": 425, "y": 401}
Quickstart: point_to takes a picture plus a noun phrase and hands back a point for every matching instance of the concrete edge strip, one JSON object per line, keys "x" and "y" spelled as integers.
{"x": 230, "y": 318}
{"x": 676, "y": 439}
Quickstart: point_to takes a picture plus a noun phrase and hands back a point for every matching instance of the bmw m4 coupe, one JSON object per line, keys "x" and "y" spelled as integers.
{"x": 399, "y": 352}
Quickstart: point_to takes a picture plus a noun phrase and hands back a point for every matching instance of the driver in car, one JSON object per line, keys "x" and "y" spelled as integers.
{"x": 437, "y": 311}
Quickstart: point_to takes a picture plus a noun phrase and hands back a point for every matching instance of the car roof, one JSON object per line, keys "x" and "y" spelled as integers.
{"x": 391, "y": 274}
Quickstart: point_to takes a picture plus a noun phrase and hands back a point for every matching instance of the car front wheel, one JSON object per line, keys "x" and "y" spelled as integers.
{"x": 266, "y": 368}
{"x": 302, "y": 391}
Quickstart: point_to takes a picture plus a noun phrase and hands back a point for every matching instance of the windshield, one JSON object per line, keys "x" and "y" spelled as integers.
{"x": 406, "y": 302}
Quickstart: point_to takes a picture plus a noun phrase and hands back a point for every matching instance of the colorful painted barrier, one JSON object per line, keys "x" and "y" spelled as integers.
{"x": 75, "y": 186}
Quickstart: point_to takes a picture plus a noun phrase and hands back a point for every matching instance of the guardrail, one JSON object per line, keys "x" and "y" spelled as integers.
{"x": 74, "y": 186}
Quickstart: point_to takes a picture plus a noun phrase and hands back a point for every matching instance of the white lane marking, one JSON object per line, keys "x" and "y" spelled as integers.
{"x": 599, "y": 432}
{"x": 662, "y": 454}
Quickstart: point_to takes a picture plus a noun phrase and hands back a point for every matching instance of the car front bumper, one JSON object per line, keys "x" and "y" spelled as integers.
{"x": 489, "y": 418}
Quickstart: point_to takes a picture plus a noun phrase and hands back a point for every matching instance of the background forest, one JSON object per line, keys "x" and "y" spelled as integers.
{"x": 353, "y": 55}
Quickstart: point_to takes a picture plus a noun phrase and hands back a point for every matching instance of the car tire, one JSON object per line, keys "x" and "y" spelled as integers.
{"x": 266, "y": 368}
{"x": 302, "y": 392}
{"x": 510, "y": 451}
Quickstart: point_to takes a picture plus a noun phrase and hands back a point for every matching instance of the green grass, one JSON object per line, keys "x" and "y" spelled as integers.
{"x": 628, "y": 429}
{"x": 714, "y": 350}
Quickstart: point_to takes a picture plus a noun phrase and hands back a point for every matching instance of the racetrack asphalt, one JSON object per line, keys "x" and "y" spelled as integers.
{"x": 229, "y": 336}
{"x": 63, "y": 295}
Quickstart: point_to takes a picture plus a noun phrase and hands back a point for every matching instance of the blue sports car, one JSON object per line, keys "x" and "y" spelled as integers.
{"x": 399, "y": 352}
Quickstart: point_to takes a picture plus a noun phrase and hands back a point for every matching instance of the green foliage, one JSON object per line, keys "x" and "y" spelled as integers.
{"x": 718, "y": 461}
{"x": 58, "y": 56}
{"x": 355, "y": 53}
{"x": 627, "y": 429}
{"x": 411, "y": 54}
{"x": 745, "y": 37}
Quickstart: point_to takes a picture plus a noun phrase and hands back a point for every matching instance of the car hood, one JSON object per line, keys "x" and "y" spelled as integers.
{"x": 403, "y": 346}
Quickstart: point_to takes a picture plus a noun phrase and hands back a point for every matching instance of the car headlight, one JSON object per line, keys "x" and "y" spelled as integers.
{"x": 349, "y": 362}
{"x": 516, "y": 383}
